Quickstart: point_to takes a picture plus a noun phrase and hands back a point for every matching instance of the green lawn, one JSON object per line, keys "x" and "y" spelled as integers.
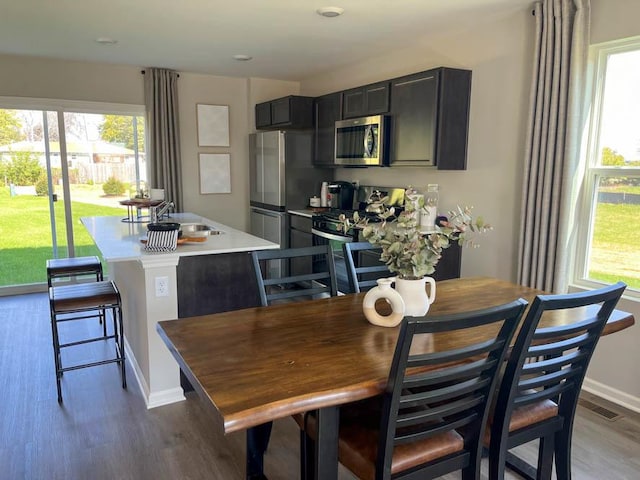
{"x": 25, "y": 235}
{"x": 616, "y": 245}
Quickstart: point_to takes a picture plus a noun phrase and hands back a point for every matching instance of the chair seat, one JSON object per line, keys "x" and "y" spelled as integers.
{"x": 358, "y": 445}
{"x": 526, "y": 416}
{"x": 69, "y": 266}
{"x": 69, "y": 298}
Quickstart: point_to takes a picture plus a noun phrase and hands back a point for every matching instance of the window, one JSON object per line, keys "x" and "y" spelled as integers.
{"x": 43, "y": 193}
{"x": 611, "y": 236}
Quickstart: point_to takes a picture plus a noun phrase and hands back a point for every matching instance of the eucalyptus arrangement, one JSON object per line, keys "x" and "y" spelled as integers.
{"x": 406, "y": 250}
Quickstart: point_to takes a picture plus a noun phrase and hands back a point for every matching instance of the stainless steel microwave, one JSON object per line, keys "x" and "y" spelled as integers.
{"x": 362, "y": 141}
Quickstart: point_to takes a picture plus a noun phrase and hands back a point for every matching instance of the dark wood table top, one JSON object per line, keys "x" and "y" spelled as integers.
{"x": 260, "y": 364}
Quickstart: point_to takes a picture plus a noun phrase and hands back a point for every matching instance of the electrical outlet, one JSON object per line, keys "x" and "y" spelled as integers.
{"x": 162, "y": 286}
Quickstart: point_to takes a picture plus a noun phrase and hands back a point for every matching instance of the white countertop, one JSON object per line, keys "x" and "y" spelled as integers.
{"x": 120, "y": 241}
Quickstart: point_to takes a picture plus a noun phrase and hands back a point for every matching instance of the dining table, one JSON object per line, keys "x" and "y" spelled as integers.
{"x": 256, "y": 365}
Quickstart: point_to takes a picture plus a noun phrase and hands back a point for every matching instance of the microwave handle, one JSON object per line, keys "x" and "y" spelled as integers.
{"x": 368, "y": 141}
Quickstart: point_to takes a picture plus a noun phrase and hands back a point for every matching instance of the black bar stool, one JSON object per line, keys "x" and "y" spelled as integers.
{"x": 68, "y": 267}
{"x": 81, "y": 301}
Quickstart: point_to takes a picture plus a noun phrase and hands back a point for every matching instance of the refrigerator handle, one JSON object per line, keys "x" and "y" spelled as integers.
{"x": 269, "y": 213}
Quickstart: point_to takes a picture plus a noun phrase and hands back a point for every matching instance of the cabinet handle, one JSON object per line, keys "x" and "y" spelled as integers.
{"x": 414, "y": 81}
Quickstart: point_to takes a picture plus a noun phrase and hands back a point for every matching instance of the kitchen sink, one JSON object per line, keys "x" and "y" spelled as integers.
{"x": 197, "y": 230}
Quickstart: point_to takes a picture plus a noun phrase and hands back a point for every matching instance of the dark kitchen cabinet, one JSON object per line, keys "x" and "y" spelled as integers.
{"x": 367, "y": 100}
{"x": 328, "y": 110}
{"x": 430, "y": 119}
{"x": 300, "y": 236}
{"x": 291, "y": 112}
{"x": 448, "y": 266}
{"x": 263, "y": 115}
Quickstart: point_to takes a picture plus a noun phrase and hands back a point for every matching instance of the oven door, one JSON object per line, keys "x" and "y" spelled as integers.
{"x": 336, "y": 240}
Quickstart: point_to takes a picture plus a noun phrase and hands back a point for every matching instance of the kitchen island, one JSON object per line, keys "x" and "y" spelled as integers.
{"x": 196, "y": 279}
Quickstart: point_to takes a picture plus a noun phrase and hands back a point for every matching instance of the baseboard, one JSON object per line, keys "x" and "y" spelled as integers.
{"x": 155, "y": 399}
{"x": 165, "y": 397}
{"x": 613, "y": 395}
{"x": 142, "y": 383}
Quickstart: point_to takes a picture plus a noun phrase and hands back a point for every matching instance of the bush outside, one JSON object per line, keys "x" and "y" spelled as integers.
{"x": 113, "y": 186}
{"x": 42, "y": 186}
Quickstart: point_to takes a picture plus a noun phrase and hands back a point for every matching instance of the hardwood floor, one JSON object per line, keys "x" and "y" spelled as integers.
{"x": 104, "y": 432}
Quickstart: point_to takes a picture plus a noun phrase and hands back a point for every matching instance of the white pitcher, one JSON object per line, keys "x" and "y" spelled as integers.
{"x": 414, "y": 294}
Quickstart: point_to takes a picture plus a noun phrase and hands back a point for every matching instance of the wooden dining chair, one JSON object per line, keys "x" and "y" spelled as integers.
{"x": 364, "y": 276}
{"x": 538, "y": 396}
{"x": 280, "y": 288}
{"x": 286, "y": 287}
{"x": 431, "y": 417}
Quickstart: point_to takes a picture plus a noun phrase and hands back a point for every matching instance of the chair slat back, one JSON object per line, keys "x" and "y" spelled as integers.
{"x": 442, "y": 389}
{"x": 295, "y": 287}
{"x": 363, "y": 278}
{"x": 550, "y": 363}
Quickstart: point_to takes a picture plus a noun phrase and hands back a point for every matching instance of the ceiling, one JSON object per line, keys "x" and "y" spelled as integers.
{"x": 287, "y": 39}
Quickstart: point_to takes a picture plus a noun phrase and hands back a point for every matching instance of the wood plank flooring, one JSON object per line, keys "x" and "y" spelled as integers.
{"x": 104, "y": 432}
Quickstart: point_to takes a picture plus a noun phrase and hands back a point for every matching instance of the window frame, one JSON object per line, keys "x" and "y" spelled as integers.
{"x": 599, "y": 56}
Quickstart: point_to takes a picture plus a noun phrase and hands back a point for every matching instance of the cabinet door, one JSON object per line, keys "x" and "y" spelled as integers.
{"x": 353, "y": 103}
{"x": 281, "y": 111}
{"x": 377, "y": 98}
{"x": 327, "y": 112}
{"x": 453, "y": 119}
{"x": 413, "y": 125}
{"x": 300, "y": 236}
{"x": 263, "y": 114}
{"x": 449, "y": 265}
{"x": 364, "y": 101}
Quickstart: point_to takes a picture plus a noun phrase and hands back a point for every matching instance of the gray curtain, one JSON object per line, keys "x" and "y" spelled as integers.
{"x": 551, "y": 183}
{"x": 163, "y": 133}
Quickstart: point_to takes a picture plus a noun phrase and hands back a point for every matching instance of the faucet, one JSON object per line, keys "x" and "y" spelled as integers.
{"x": 159, "y": 210}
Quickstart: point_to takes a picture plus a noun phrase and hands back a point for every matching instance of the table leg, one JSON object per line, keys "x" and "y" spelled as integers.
{"x": 257, "y": 442}
{"x": 326, "y": 445}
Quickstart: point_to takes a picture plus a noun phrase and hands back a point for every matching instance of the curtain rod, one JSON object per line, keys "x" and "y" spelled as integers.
{"x": 142, "y": 72}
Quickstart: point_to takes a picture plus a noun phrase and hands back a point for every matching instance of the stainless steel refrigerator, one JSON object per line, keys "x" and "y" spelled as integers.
{"x": 282, "y": 178}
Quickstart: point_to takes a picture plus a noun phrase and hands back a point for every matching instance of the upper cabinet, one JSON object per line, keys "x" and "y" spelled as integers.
{"x": 428, "y": 116}
{"x": 430, "y": 119}
{"x": 293, "y": 111}
{"x": 328, "y": 110}
{"x": 367, "y": 100}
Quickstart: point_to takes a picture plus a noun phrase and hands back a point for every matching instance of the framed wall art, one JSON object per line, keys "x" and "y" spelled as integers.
{"x": 213, "y": 125}
{"x": 215, "y": 173}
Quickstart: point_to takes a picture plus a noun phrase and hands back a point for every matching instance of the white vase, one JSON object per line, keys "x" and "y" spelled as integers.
{"x": 383, "y": 291}
{"x": 414, "y": 294}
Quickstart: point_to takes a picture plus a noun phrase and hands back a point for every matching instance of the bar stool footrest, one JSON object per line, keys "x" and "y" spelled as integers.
{"x": 90, "y": 340}
{"x": 92, "y": 364}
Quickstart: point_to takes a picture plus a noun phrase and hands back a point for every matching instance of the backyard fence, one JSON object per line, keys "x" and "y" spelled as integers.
{"x": 101, "y": 172}
{"x": 618, "y": 198}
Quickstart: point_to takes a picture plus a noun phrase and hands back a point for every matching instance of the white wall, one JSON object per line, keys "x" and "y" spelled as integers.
{"x": 229, "y": 209}
{"x": 497, "y": 54}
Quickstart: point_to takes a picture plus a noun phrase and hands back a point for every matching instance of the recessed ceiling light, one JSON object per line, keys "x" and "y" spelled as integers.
{"x": 330, "y": 12}
{"x": 106, "y": 41}
{"x": 242, "y": 58}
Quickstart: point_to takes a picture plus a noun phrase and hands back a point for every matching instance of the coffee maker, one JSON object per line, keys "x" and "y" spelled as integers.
{"x": 341, "y": 194}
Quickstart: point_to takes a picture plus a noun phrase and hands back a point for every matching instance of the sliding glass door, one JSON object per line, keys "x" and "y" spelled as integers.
{"x": 56, "y": 167}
